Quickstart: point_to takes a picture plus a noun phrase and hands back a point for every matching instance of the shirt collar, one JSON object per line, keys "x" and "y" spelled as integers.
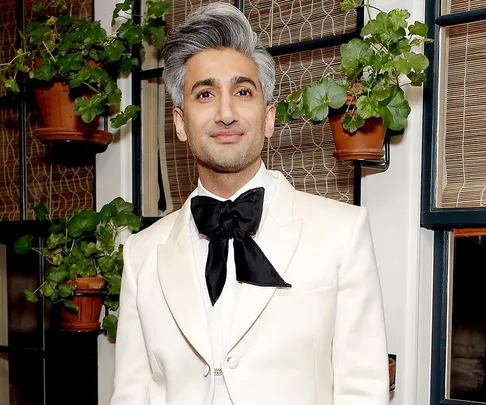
{"x": 262, "y": 178}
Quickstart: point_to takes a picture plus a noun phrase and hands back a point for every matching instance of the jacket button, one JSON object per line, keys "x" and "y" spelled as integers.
{"x": 206, "y": 371}
{"x": 233, "y": 362}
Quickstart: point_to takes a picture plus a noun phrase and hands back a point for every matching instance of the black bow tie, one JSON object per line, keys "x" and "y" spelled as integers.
{"x": 239, "y": 219}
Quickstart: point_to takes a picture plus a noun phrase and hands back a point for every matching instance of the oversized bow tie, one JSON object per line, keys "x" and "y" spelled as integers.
{"x": 239, "y": 219}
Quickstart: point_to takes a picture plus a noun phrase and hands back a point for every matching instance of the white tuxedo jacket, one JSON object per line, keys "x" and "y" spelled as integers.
{"x": 321, "y": 342}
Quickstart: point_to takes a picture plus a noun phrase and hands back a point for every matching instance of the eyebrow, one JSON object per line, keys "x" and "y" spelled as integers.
{"x": 211, "y": 82}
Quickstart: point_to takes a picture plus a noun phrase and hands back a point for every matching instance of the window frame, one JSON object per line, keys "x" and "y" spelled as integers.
{"x": 441, "y": 220}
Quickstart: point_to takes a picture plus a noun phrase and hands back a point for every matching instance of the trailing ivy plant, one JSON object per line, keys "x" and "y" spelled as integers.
{"x": 373, "y": 71}
{"x": 59, "y": 46}
{"x": 82, "y": 245}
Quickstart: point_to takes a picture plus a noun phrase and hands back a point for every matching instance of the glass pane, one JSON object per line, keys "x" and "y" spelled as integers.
{"x": 462, "y": 123}
{"x": 288, "y": 21}
{"x": 458, "y": 6}
{"x": 26, "y": 378}
{"x": 153, "y": 153}
{"x": 468, "y": 331}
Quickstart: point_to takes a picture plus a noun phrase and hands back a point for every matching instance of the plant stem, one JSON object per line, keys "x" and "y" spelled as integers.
{"x": 38, "y": 288}
{"x": 90, "y": 87}
{"x": 52, "y": 56}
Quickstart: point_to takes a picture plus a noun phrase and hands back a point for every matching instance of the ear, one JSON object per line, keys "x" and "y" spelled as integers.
{"x": 269, "y": 120}
{"x": 178, "y": 116}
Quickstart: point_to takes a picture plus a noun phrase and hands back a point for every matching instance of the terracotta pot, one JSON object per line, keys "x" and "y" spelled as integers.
{"x": 366, "y": 143}
{"x": 57, "y": 111}
{"x": 88, "y": 296}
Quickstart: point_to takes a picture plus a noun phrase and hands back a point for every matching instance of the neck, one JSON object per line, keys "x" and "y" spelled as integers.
{"x": 225, "y": 185}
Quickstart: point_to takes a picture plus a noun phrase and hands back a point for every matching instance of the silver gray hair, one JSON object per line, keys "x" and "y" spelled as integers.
{"x": 216, "y": 26}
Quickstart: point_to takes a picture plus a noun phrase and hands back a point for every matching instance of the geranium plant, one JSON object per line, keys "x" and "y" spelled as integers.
{"x": 82, "y": 245}
{"x": 59, "y": 46}
{"x": 374, "y": 68}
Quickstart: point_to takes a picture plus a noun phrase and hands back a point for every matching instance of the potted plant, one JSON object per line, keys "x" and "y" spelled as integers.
{"x": 73, "y": 64}
{"x": 366, "y": 95}
{"x": 84, "y": 263}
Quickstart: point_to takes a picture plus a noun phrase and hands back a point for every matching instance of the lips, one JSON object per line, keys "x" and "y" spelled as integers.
{"x": 227, "y": 135}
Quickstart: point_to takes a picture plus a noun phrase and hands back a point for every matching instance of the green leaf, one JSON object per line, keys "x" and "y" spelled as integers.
{"x": 55, "y": 239}
{"x": 127, "y": 64}
{"x": 355, "y": 53}
{"x": 45, "y": 71}
{"x": 38, "y": 7}
{"x": 110, "y": 323}
{"x": 398, "y": 18}
{"x": 87, "y": 108}
{"x": 130, "y": 33}
{"x": 367, "y": 107}
{"x": 158, "y": 8}
{"x": 418, "y": 28}
{"x": 23, "y": 245}
{"x": 416, "y": 79}
{"x": 319, "y": 96}
{"x": 394, "y": 110}
{"x": 37, "y": 35}
{"x": 57, "y": 274}
{"x": 348, "y": 5}
{"x": 89, "y": 249}
{"x": 125, "y": 116}
{"x": 157, "y": 37}
{"x": 282, "y": 113}
{"x": 351, "y": 122}
{"x": 73, "y": 61}
{"x": 70, "y": 305}
{"x": 57, "y": 259}
{"x": 381, "y": 88}
{"x": 84, "y": 221}
{"x": 11, "y": 85}
{"x": 125, "y": 6}
{"x": 47, "y": 290}
{"x": 113, "y": 51}
{"x": 65, "y": 290}
{"x": 41, "y": 212}
{"x": 417, "y": 61}
{"x": 31, "y": 297}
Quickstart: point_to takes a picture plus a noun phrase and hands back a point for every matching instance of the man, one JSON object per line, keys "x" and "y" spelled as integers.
{"x": 253, "y": 293}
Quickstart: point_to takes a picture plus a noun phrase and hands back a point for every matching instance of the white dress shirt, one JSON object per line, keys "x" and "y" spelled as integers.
{"x": 220, "y": 316}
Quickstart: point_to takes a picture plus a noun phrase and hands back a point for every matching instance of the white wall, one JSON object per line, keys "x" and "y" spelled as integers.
{"x": 404, "y": 250}
{"x": 113, "y": 179}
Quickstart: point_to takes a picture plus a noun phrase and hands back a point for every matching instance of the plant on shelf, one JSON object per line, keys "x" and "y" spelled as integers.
{"x": 368, "y": 89}
{"x": 79, "y": 249}
{"x": 59, "y": 47}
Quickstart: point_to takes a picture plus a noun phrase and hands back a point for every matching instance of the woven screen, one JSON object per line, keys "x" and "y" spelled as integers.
{"x": 303, "y": 152}
{"x": 66, "y": 187}
{"x": 290, "y": 21}
{"x": 457, "y": 6}
{"x": 464, "y": 147}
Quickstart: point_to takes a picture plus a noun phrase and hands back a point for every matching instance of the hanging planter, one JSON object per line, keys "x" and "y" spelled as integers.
{"x": 56, "y": 107}
{"x": 88, "y": 297}
{"x": 366, "y": 96}
{"x": 365, "y": 143}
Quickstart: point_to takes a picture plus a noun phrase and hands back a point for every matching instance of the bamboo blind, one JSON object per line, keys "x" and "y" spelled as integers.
{"x": 464, "y": 151}
{"x": 457, "y": 6}
{"x": 67, "y": 187}
{"x": 303, "y": 152}
{"x": 290, "y": 21}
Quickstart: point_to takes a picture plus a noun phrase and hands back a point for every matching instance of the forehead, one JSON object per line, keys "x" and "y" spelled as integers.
{"x": 220, "y": 64}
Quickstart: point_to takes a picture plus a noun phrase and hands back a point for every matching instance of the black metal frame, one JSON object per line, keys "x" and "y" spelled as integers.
{"x": 433, "y": 217}
{"x": 140, "y": 75}
{"x": 440, "y": 219}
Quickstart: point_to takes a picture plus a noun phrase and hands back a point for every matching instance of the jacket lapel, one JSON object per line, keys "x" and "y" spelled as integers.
{"x": 180, "y": 284}
{"x": 278, "y": 240}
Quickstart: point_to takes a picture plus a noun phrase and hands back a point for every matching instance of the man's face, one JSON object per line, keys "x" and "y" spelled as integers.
{"x": 224, "y": 119}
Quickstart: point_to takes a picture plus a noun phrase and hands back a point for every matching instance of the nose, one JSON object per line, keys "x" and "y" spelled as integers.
{"x": 226, "y": 113}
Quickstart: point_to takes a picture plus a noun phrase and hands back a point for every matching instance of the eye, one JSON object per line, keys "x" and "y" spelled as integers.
{"x": 204, "y": 94}
{"x": 244, "y": 92}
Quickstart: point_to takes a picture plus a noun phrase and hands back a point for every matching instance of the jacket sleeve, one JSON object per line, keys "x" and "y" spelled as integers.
{"x": 359, "y": 353}
{"x": 132, "y": 369}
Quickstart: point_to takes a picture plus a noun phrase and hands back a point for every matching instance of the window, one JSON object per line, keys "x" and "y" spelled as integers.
{"x": 453, "y": 197}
